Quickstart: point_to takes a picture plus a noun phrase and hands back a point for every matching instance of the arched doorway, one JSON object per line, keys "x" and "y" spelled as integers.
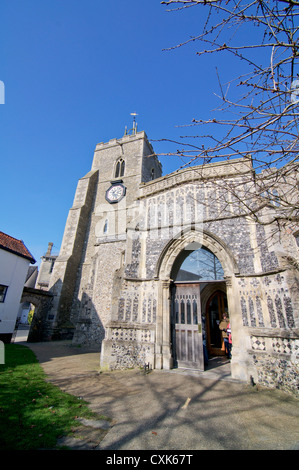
{"x": 41, "y": 300}
{"x": 195, "y": 333}
{"x": 172, "y": 256}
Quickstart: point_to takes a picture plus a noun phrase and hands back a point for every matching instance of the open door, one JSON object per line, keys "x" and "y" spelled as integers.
{"x": 186, "y": 324}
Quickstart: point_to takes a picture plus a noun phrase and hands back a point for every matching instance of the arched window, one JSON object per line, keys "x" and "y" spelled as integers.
{"x": 105, "y": 226}
{"x": 120, "y": 168}
{"x": 273, "y": 196}
{"x": 200, "y": 265}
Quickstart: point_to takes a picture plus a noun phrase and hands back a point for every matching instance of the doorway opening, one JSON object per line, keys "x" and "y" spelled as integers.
{"x": 215, "y": 308}
{"x": 198, "y": 301}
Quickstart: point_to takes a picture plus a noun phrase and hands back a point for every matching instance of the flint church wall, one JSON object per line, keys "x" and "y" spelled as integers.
{"x": 117, "y": 280}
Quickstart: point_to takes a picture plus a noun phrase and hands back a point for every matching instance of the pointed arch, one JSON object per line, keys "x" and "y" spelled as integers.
{"x": 119, "y": 168}
{"x": 190, "y": 241}
{"x": 122, "y": 168}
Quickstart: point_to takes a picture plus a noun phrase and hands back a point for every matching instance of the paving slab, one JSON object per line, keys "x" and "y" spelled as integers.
{"x": 176, "y": 410}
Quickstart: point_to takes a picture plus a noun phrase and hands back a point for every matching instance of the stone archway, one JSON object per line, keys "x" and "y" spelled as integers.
{"x": 189, "y": 240}
{"x": 42, "y": 301}
{"x": 186, "y": 240}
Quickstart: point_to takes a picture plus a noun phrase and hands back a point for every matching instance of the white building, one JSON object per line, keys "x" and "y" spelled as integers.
{"x": 14, "y": 262}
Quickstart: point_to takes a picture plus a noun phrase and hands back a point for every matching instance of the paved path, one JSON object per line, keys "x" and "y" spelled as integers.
{"x": 172, "y": 410}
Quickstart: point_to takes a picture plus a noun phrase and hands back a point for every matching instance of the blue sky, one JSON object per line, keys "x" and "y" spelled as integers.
{"x": 73, "y": 72}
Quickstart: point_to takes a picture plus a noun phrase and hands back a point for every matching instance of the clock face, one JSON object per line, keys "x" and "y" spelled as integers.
{"x": 115, "y": 193}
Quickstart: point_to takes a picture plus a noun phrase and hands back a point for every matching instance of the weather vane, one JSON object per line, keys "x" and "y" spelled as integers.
{"x": 134, "y": 128}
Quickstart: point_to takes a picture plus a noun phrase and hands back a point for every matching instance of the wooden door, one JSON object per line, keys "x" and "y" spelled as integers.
{"x": 216, "y": 306}
{"x": 186, "y": 326}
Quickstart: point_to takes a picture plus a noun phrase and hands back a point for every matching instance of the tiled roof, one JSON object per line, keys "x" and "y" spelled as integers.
{"x": 15, "y": 246}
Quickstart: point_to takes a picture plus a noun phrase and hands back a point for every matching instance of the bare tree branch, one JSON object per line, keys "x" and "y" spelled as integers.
{"x": 263, "y": 101}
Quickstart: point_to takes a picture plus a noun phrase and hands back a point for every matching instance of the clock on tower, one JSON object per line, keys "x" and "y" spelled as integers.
{"x": 116, "y": 192}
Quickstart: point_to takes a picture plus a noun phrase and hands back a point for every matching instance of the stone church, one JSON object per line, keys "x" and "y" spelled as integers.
{"x": 149, "y": 264}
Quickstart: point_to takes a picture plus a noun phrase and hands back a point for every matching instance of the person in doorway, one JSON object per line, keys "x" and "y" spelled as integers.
{"x": 223, "y": 325}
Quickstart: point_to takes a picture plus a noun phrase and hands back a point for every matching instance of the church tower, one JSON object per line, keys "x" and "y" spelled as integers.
{"x": 94, "y": 243}
{"x": 150, "y": 263}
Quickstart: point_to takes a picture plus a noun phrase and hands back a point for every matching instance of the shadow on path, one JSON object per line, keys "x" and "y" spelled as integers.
{"x": 172, "y": 410}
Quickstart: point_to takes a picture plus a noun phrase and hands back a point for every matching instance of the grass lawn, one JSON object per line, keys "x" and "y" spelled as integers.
{"x": 33, "y": 413}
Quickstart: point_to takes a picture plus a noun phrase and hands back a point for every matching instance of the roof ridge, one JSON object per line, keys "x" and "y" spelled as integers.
{"x": 16, "y": 246}
{"x": 6, "y": 234}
